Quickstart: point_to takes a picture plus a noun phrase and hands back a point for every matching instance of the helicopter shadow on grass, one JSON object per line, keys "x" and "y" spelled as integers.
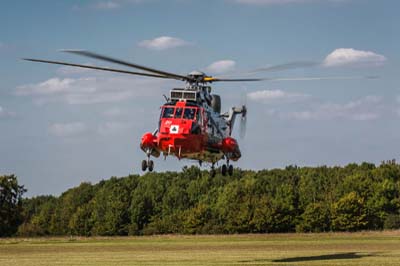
{"x": 336, "y": 256}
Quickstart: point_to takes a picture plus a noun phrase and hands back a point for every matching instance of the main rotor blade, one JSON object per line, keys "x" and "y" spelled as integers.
{"x": 212, "y": 79}
{"x": 286, "y": 66}
{"x": 321, "y": 78}
{"x": 97, "y": 68}
{"x": 281, "y": 67}
{"x": 120, "y": 62}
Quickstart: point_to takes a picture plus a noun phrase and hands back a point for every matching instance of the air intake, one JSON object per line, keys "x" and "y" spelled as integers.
{"x": 182, "y": 94}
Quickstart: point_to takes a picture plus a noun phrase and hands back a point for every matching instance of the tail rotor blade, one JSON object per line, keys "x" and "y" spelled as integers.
{"x": 243, "y": 118}
{"x": 243, "y": 122}
{"x": 243, "y": 126}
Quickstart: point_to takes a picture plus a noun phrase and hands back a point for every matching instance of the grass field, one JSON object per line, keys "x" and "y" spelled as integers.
{"x": 369, "y": 248}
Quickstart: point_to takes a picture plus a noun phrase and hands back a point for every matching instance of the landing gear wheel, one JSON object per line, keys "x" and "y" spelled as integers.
{"x": 212, "y": 172}
{"x": 151, "y": 166}
{"x": 230, "y": 170}
{"x": 224, "y": 169}
{"x": 144, "y": 165}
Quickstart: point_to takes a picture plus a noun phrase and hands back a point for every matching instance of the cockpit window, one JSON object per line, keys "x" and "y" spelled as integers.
{"x": 189, "y": 113}
{"x": 168, "y": 112}
{"x": 178, "y": 112}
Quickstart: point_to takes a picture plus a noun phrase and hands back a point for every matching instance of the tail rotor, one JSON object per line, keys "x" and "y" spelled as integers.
{"x": 243, "y": 122}
{"x": 243, "y": 119}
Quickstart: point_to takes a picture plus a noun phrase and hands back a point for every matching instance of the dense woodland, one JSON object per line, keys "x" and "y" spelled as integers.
{"x": 294, "y": 199}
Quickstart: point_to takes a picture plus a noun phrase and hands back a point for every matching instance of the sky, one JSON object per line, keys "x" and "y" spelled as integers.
{"x": 61, "y": 126}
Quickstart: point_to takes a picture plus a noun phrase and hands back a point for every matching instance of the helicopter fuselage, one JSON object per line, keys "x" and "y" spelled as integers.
{"x": 192, "y": 131}
{"x": 191, "y": 128}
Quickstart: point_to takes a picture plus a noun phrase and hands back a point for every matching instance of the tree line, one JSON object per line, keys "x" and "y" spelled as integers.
{"x": 295, "y": 199}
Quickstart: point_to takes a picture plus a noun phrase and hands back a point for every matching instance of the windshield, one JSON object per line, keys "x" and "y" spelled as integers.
{"x": 178, "y": 112}
{"x": 189, "y": 113}
{"x": 168, "y": 112}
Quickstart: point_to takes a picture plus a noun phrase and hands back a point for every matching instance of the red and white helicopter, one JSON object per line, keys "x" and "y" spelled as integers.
{"x": 191, "y": 124}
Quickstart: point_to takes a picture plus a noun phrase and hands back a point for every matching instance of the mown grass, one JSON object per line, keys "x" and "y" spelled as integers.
{"x": 368, "y": 248}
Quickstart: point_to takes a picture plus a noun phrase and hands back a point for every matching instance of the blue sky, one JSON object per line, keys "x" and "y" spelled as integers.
{"x": 61, "y": 126}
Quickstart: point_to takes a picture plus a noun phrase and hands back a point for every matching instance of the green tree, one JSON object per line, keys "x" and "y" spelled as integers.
{"x": 235, "y": 205}
{"x": 11, "y": 212}
{"x": 392, "y": 222}
{"x": 349, "y": 198}
{"x": 32, "y": 206}
{"x": 315, "y": 218}
{"x": 146, "y": 200}
{"x": 110, "y": 215}
{"x": 81, "y": 222}
{"x": 197, "y": 219}
{"x": 67, "y": 204}
{"x": 349, "y": 213}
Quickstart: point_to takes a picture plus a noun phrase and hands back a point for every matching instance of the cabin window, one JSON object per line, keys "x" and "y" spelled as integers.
{"x": 168, "y": 112}
{"x": 189, "y": 113}
{"x": 178, "y": 112}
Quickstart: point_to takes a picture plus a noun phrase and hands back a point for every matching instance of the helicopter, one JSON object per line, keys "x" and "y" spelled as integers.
{"x": 191, "y": 124}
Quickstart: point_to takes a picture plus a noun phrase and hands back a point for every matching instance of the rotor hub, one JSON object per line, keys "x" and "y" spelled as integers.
{"x": 196, "y": 77}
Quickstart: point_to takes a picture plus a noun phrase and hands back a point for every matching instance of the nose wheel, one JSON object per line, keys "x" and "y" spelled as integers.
{"x": 147, "y": 164}
{"x": 227, "y": 169}
{"x": 212, "y": 171}
{"x": 224, "y": 169}
{"x": 230, "y": 170}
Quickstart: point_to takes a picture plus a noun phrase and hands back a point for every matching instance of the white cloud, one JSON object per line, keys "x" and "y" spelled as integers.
{"x": 68, "y": 129}
{"x": 113, "y": 128}
{"x": 163, "y": 43}
{"x": 352, "y": 57}
{"x": 91, "y": 90}
{"x": 70, "y": 70}
{"x": 107, "y": 5}
{"x": 74, "y": 129}
{"x": 51, "y": 86}
{"x": 364, "y": 109}
{"x": 268, "y": 96}
{"x": 4, "y": 113}
{"x": 270, "y": 2}
{"x": 283, "y": 2}
{"x": 222, "y": 66}
{"x": 112, "y": 112}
